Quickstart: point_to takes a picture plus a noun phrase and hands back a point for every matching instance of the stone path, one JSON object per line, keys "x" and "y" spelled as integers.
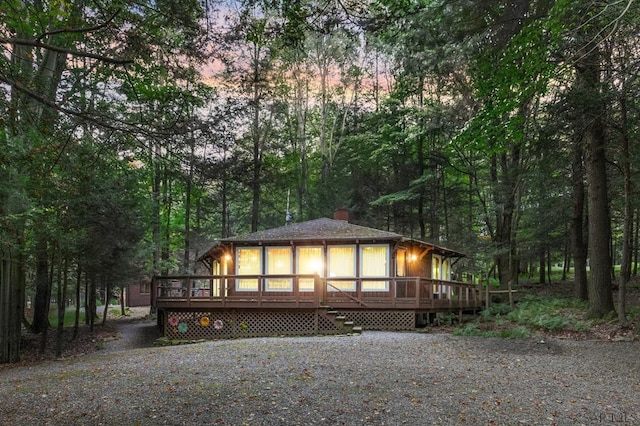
{"x": 134, "y": 331}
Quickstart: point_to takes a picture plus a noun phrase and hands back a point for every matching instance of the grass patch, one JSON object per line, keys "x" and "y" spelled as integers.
{"x": 116, "y": 312}
{"x": 69, "y": 316}
{"x": 529, "y": 316}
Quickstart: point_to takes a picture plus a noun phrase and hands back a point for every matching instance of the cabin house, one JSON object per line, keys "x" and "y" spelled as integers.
{"x": 322, "y": 276}
{"x": 138, "y": 293}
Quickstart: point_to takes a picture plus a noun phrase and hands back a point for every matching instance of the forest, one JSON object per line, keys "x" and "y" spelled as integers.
{"x": 134, "y": 133}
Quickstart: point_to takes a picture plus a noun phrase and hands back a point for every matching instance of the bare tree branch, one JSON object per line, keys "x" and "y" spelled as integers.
{"x": 106, "y": 122}
{"x": 79, "y": 30}
{"x": 39, "y": 44}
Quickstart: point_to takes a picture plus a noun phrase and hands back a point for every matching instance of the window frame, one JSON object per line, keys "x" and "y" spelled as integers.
{"x": 267, "y": 272}
{"x": 237, "y": 266}
{"x": 362, "y": 275}
{"x": 352, "y": 284}
{"x": 323, "y": 261}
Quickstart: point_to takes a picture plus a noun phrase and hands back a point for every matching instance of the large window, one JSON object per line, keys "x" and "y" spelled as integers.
{"x": 342, "y": 264}
{"x": 374, "y": 263}
{"x": 278, "y": 263}
{"x": 401, "y": 263}
{"x": 248, "y": 262}
{"x": 309, "y": 261}
{"x": 446, "y": 270}
{"x": 435, "y": 267}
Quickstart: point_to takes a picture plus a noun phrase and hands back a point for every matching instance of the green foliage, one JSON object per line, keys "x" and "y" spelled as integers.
{"x": 550, "y": 314}
{"x": 472, "y": 329}
{"x": 531, "y": 315}
{"x": 116, "y": 312}
{"x": 518, "y": 332}
{"x": 495, "y": 310}
{"x": 69, "y": 316}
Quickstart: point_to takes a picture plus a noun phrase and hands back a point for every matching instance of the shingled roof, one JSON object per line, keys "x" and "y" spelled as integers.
{"x": 317, "y": 229}
{"x": 323, "y": 229}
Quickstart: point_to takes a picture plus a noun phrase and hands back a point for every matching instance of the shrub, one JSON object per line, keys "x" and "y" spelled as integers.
{"x": 532, "y": 313}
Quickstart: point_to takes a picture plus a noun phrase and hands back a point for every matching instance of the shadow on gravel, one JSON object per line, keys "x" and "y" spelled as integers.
{"x": 133, "y": 334}
{"x": 531, "y": 346}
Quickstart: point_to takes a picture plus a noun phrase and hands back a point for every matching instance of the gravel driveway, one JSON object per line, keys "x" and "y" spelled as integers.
{"x": 379, "y": 378}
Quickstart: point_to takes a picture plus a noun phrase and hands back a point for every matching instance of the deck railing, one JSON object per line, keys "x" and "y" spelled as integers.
{"x": 311, "y": 291}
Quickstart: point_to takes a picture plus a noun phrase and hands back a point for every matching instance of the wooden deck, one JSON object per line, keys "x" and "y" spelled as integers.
{"x": 211, "y": 292}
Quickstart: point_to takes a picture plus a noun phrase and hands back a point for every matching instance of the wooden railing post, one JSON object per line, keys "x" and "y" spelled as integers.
{"x": 318, "y": 290}
{"x": 394, "y": 290}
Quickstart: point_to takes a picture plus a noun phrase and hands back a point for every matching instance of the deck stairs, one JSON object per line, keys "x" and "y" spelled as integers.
{"x": 349, "y": 327}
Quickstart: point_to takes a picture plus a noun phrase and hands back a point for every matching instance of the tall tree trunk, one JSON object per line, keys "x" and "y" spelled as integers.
{"x": 76, "y": 324}
{"x": 503, "y": 176}
{"x": 167, "y": 200}
{"x": 594, "y": 142}
{"x": 636, "y": 242}
{"x": 421, "y": 167}
{"x": 627, "y": 233}
{"x": 543, "y": 270}
{"x": 225, "y": 232}
{"x": 63, "y": 274}
{"x": 107, "y": 295}
{"x": 577, "y": 229}
{"x": 323, "y": 68}
{"x": 300, "y": 140}
{"x": 155, "y": 158}
{"x": 257, "y": 144}
{"x": 123, "y": 307}
{"x": 43, "y": 291}
{"x": 91, "y": 302}
{"x": 186, "y": 260}
{"x": 11, "y": 307}
{"x": 44, "y": 337}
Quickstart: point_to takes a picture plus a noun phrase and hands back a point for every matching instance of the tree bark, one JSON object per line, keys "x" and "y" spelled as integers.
{"x": 577, "y": 231}
{"x": 186, "y": 260}
{"x": 627, "y": 233}
{"x": 62, "y": 306}
{"x": 155, "y": 221}
{"x": 504, "y": 179}
{"x": 256, "y": 182}
{"x": 76, "y": 324}
{"x": 42, "y": 297}
{"x": 11, "y": 307}
{"x": 594, "y": 142}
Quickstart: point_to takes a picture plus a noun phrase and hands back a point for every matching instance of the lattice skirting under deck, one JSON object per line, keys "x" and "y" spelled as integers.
{"x": 382, "y": 320}
{"x": 247, "y": 323}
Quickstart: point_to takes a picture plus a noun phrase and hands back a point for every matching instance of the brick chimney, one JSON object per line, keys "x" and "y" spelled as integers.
{"x": 341, "y": 214}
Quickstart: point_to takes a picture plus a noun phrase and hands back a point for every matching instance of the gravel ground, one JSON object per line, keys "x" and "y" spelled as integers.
{"x": 379, "y": 378}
